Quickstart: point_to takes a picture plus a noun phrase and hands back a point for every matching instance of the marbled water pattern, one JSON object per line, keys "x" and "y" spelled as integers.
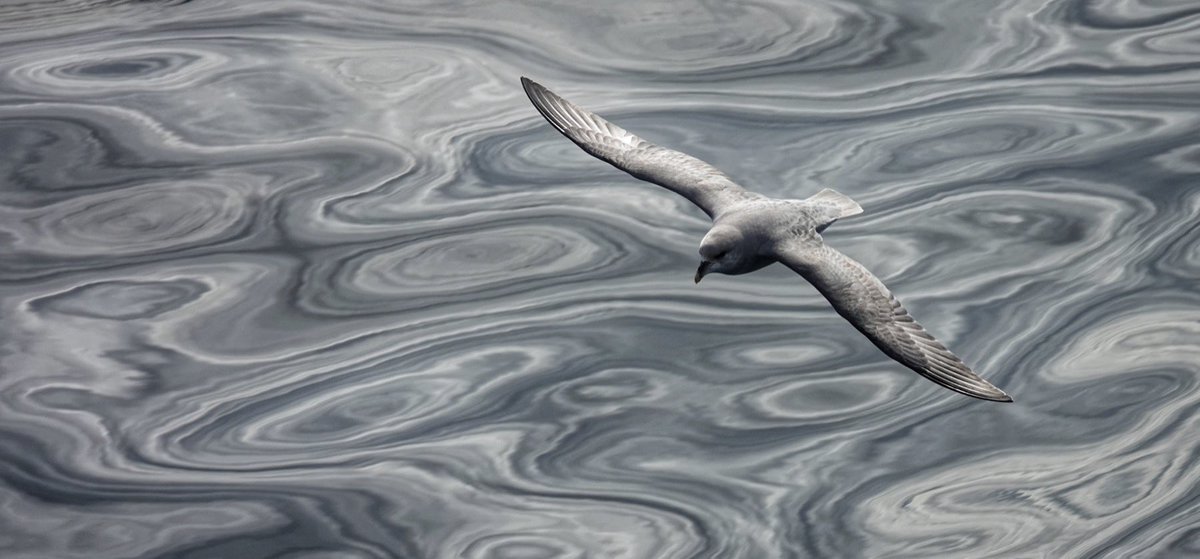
{"x": 314, "y": 279}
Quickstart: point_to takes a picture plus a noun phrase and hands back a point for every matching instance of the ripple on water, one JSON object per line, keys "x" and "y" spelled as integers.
{"x": 709, "y": 38}
{"x": 1111, "y": 492}
{"x": 614, "y": 387}
{"x": 53, "y": 154}
{"x": 122, "y": 300}
{"x": 252, "y": 105}
{"x": 460, "y": 265}
{"x": 137, "y": 220}
{"x": 117, "y": 69}
{"x": 810, "y": 400}
{"x": 476, "y": 260}
{"x": 524, "y": 546}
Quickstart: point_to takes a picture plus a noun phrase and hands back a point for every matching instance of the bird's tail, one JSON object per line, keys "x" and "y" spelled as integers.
{"x": 831, "y": 205}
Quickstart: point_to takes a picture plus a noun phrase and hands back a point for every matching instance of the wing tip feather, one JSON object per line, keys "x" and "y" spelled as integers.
{"x": 1002, "y": 397}
{"x": 559, "y": 112}
{"x": 528, "y": 84}
{"x": 987, "y": 392}
{"x": 960, "y": 378}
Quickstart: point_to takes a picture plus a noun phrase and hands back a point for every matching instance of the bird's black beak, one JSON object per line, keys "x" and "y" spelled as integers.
{"x": 703, "y": 270}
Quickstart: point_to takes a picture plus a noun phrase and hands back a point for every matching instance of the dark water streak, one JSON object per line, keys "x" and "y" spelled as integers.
{"x": 302, "y": 279}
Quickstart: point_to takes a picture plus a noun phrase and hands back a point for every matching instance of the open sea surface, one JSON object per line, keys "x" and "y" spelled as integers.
{"x": 302, "y": 279}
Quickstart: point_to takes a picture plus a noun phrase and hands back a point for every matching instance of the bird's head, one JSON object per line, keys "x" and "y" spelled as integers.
{"x": 719, "y": 251}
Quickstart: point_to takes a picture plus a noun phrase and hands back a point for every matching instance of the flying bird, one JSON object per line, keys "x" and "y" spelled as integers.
{"x": 751, "y": 231}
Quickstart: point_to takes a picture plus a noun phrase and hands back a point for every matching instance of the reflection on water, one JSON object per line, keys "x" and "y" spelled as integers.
{"x": 296, "y": 279}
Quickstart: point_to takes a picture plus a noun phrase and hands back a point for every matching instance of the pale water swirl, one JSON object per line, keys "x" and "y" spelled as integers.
{"x": 313, "y": 279}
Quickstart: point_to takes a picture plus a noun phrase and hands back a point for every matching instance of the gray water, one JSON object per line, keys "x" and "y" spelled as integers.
{"x": 313, "y": 279}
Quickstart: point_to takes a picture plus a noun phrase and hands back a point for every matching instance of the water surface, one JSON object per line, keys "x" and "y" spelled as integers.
{"x": 312, "y": 279}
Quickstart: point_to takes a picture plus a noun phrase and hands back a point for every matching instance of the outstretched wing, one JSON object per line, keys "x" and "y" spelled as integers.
{"x": 683, "y": 174}
{"x": 861, "y": 298}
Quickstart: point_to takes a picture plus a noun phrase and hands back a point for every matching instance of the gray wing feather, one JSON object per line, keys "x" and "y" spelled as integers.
{"x": 699, "y": 182}
{"x": 862, "y": 299}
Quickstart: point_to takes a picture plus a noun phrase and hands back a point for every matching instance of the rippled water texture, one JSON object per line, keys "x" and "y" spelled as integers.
{"x": 313, "y": 279}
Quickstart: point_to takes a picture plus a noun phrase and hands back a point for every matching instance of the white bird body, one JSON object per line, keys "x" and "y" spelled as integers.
{"x": 751, "y": 231}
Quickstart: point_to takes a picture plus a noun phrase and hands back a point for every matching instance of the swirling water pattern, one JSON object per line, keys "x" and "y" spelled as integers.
{"x": 301, "y": 279}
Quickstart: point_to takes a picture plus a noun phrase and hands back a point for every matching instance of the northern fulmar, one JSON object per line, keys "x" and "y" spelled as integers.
{"x": 751, "y": 231}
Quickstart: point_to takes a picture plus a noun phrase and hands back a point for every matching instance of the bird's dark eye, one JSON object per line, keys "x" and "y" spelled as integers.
{"x": 721, "y": 255}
